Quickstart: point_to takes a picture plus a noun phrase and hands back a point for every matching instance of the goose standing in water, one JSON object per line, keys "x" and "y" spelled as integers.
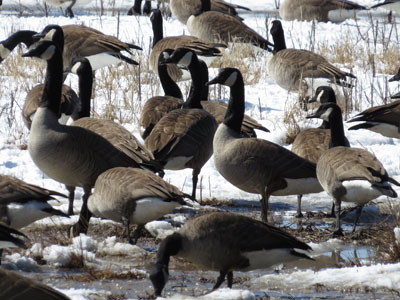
{"x": 349, "y": 174}
{"x": 226, "y": 242}
{"x": 255, "y": 165}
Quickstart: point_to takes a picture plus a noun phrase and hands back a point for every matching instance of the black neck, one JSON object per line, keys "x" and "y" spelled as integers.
{"x": 193, "y": 101}
{"x": 279, "y": 40}
{"x": 169, "y": 86}
{"x": 170, "y": 246}
{"x": 235, "y": 112}
{"x": 337, "y": 131}
{"x": 205, "y": 5}
{"x": 85, "y": 91}
{"x": 157, "y": 24}
{"x": 137, "y": 6}
{"x": 58, "y": 39}
{"x": 51, "y": 97}
{"x": 204, "y": 76}
{"x": 22, "y": 36}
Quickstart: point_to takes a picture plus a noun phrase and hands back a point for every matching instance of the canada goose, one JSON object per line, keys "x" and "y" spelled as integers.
{"x": 290, "y": 67}
{"x": 68, "y": 4}
{"x": 8, "y": 45}
{"x": 16, "y": 287}
{"x": 183, "y": 138}
{"x": 131, "y": 195}
{"x": 349, "y": 174}
{"x": 113, "y": 132}
{"x": 183, "y": 9}
{"x": 207, "y": 51}
{"x": 226, "y": 242}
{"x": 79, "y": 40}
{"x": 69, "y": 104}
{"x": 136, "y": 9}
{"x": 323, "y": 11}
{"x": 22, "y": 203}
{"x": 382, "y": 119}
{"x": 214, "y": 27}
{"x": 72, "y": 155}
{"x": 255, "y": 165}
{"x": 312, "y": 142}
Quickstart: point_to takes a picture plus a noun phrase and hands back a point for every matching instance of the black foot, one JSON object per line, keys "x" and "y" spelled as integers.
{"x": 133, "y": 12}
{"x": 299, "y": 215}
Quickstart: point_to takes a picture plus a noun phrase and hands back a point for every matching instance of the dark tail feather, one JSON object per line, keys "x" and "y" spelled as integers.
{"x": 55, "y": 212}
{"x": 124, "y": 58}
{"x": 299, "y": 254}
{"x": 360, "y": 126}
{"x": 394, "y": 181}
{"x": 242, "y": 7}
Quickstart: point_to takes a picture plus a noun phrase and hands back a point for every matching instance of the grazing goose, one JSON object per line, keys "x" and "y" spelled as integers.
{"x": 183, "y": 138}
{"x": 22, "y": 203}
{"x": 255, "y": 165}
{"x": 214, "y": 27}
{"x": 8, "y": 240}
{"x": 226, "y": 242}
{"x": 290, "y": 67}
{"x": 135, "y": 196}
{"x": 67, "y": 4}
{"x": 349, "y": 174}
{"x": 16, "y": 287}
{"x": 79, "y": 40}
{"x": 320, "y": 10}
{"x": 382, "y": 119}
{"x": 136, "y": 9}
{"x": 72, "y": 155}
{"x": 183, "y": 9}
{"x": 69, "y": 104}
{"x": 312, "y": 142}
{"x": 207, "y": 51}
{"x": 8, "y": 45}
{"x": 115, "y": 133}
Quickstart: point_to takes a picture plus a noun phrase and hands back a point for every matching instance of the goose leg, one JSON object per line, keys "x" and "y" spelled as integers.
{"x": 358, "y": 214}
{"x": 299, "y": 214}
{"x": 71, "y": 197}
{"x": 338, "y": 230}
{"x": 1, "y": 255}
{"x": 220, "y": 279}
{"x": 332, "y": 213}
{"x": 68, "y": 10}
{"x": 230, "y": 279}
{"x": 195, "y": 177}
{"x": 84, "y": 217}
{"x": 137, "y": 233}
{"x": 265, "y": 206}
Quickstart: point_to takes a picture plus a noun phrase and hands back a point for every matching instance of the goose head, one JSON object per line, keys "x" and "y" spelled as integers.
{"x": 44, "y": 50}
{"x": 324, "y": 94}
{"x": 51, "y": 33}
{"x": 227, "y": 76}
{"x": 327, "y": 112}
{"x": 183, "y": 57}
{"x": 278, "y": 36}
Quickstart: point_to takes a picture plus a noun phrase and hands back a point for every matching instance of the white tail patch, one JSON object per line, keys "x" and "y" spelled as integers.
{"x": 360, "y": 191}
{"x": 177, "y": 163}
{"x": 7, "y": 244}
{"x": 150, "y": 209}
{"x": 266, "y": 258}
{"x": 101, "y": 60}
{"x": 300, "y": 186}
{"x": 23, "y": 214}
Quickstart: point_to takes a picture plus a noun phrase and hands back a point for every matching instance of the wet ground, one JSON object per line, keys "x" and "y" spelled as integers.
{"x": 124, "y": 276}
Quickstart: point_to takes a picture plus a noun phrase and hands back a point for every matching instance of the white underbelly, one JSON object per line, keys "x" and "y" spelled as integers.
{"x": 21, "y": 215}
{"x": 150, "y": 209}
{"x": 360, "y": 192}
{"x": 300, "y": 186}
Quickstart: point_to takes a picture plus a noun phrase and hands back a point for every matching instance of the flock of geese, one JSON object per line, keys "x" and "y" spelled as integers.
{"x": 127, "y": 176}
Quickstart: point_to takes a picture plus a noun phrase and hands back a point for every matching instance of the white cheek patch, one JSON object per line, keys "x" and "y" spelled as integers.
{"x": 76, "y": 67}
{"x": 325, "y": 115}
{"x": 230, "y": 81}
{"x": 48, "y": 54}
{"x": 49, "y": 35}
{"x": 186, "y": 59}
{"x": 4, "y": 52}
{"x": 319, "y": 96}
